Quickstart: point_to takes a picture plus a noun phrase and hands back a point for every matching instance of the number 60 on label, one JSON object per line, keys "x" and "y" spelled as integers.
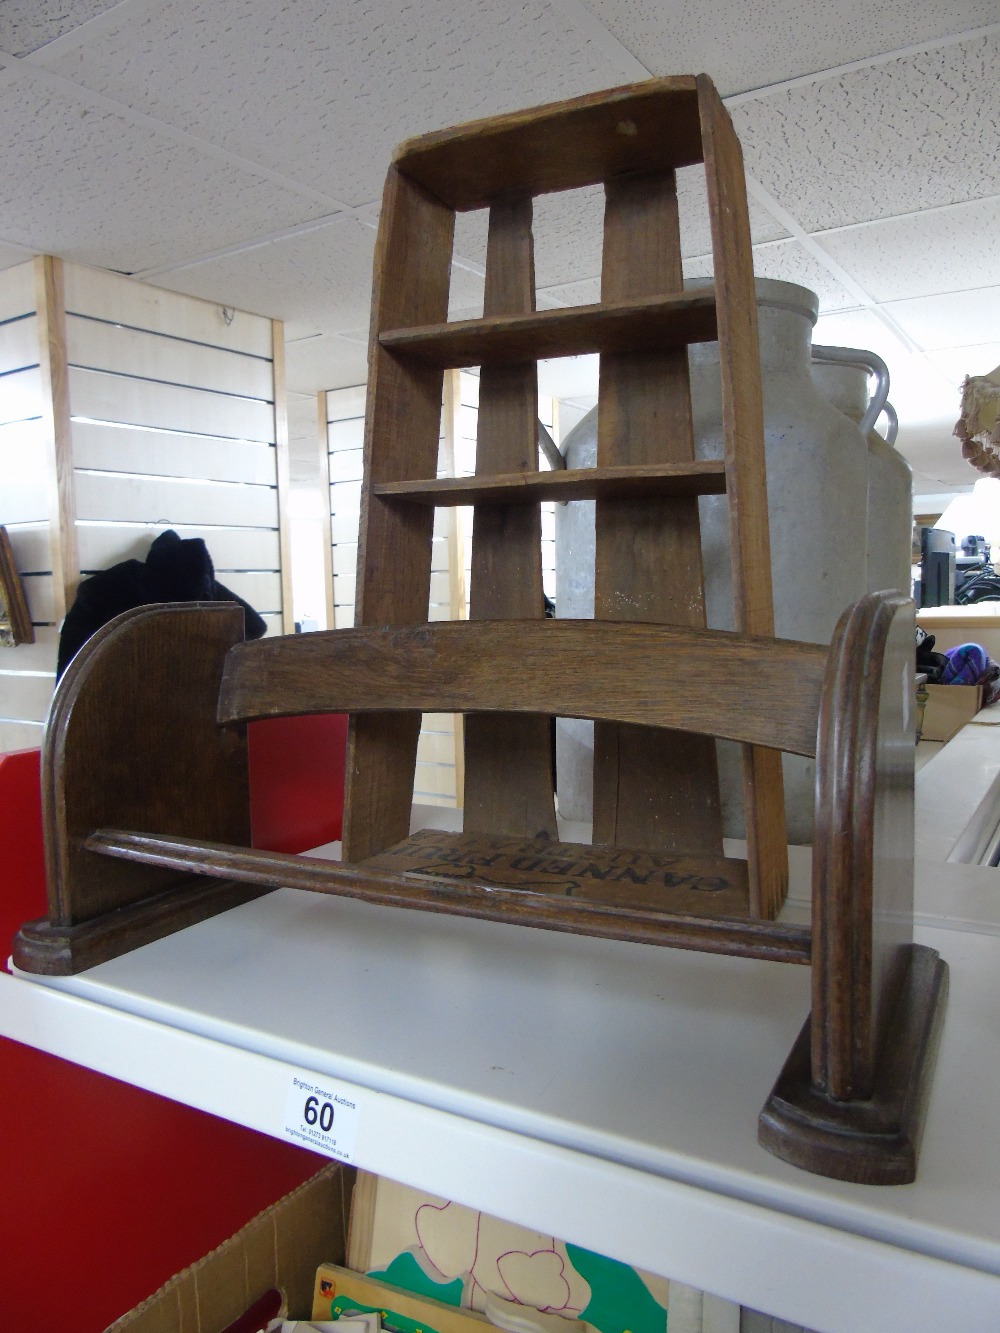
{"x": 321, "y": 1116}
{"x": 318, "y": 1113}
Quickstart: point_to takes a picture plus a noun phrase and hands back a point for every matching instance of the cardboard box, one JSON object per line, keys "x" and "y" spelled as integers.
{"x": 281, "y": 1247}
{"x": 947, "y": 710}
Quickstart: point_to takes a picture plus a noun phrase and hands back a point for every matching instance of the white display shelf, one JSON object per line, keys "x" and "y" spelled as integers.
{"x": 603, "y": 1092}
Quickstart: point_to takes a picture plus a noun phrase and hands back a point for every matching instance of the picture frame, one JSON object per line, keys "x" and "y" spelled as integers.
{"x": 15, "y": 621}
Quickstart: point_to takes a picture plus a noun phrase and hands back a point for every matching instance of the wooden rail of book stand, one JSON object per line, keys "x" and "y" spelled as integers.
{"x": 146, "y": 818}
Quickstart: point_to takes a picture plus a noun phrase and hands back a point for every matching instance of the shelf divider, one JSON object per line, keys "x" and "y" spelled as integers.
{"x": 649, "y": 481}
{"x": 651, "y": 324}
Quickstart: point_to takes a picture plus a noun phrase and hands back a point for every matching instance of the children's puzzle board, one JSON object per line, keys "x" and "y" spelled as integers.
{"x": 455, "y": 1254}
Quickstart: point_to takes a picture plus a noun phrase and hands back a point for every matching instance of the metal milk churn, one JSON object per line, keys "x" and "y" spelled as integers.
{"x": 817, "y": 484}
{"x": 842, "y": 374}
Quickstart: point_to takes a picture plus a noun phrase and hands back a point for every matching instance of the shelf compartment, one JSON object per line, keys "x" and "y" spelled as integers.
{"x": 646, "y": 481}
{"x": 655, "y": 324}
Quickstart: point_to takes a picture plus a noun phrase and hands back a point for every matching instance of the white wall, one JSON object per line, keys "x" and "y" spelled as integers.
{"x": 173, "y": 419}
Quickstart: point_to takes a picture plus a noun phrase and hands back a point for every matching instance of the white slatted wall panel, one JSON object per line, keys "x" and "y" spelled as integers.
{"x": 345, "y": 433}
{"x": 27, "y": 672}
{"x": 173, "y": 426}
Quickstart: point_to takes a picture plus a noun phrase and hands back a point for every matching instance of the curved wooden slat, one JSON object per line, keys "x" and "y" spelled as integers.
{"x": 762, "y": 691}
{"x": 646, "y": 126}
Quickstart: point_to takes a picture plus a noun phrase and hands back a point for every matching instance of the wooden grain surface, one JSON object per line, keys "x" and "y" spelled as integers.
{"x": 562, "y": 146}
{"x": 874, "y": 1140}
{"x": 618, "y": 326}
{"x": 651, "y": 788}
{"x": 863, "y": 851}
{"x": 673, "y": 679}
{"x": 509, "y": 779}
{"x": 63, "y": 950}
{"x": 590, "y": 483}
{"x": 743, "y": 448}
{"x": 15, "y": 604}
{"x": 402, "y": 423}
{"x": 548, "y": 909}
{"x": 132, "y": 738}
{"x": 57, "y": 431}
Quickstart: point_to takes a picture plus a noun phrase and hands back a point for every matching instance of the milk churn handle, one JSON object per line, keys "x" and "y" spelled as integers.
{"x": 550, "y": 449}
{"x": 856, "y": 356}
{"x": 891, "y": 423}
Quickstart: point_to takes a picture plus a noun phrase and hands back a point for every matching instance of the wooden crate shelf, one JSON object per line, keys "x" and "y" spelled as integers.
{"x": 593, "y": 483}
{"x": 654, "y": 324}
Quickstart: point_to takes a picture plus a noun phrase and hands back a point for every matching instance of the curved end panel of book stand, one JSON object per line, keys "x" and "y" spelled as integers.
{"x": 132, "y": 741}
{"x": 849, "y": 1102}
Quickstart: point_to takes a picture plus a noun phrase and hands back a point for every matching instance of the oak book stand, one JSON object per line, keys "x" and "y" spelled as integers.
{"x": 146, "y": 788}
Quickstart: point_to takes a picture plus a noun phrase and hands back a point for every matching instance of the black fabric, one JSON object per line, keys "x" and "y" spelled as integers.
{"x": 930, "y": 663}
{"x": 175, "y": 570}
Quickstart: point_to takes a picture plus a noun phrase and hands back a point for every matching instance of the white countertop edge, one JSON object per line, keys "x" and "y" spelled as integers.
{"x": 793, "y": 1268}
{"x": 792, "y": 1193}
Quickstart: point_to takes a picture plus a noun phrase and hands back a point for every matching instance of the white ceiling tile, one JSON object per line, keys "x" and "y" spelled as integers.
{"x": 25, "y": 25}
{"x": 569, "y": 235}
{"x": 325, "y": 360}
{"x": 858, "y": 328}
{"x": 466, "y": 311}
{"x": 587, "y": 292}
{"x": 957, "y": 319}
{"x": 323, "y": 92}
{"x": 917, "y": 132}
{"x": 922, "y": 396}
{"x": 792, "y": 262}
{"x": 788, "y": 261}
{"x": 698, "y": 266}
{"x": 947, "y": 250}
{"x": 471, "y": 230}
{"x": 91, "y": 187}
{"x": 11, "y": 255}
{"x": 743, "y": 47}
{"x": 318, "y": 281}
{"x": 957, "y": 362}
{"x": 568, "y": 230}
{"x": 935, "y": 456}
{"x": 696, "y": 226}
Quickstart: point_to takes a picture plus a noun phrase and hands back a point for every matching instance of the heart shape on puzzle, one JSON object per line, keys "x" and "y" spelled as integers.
{"x": 536, "y": 1279}
{"x": 448, "y": 1235}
